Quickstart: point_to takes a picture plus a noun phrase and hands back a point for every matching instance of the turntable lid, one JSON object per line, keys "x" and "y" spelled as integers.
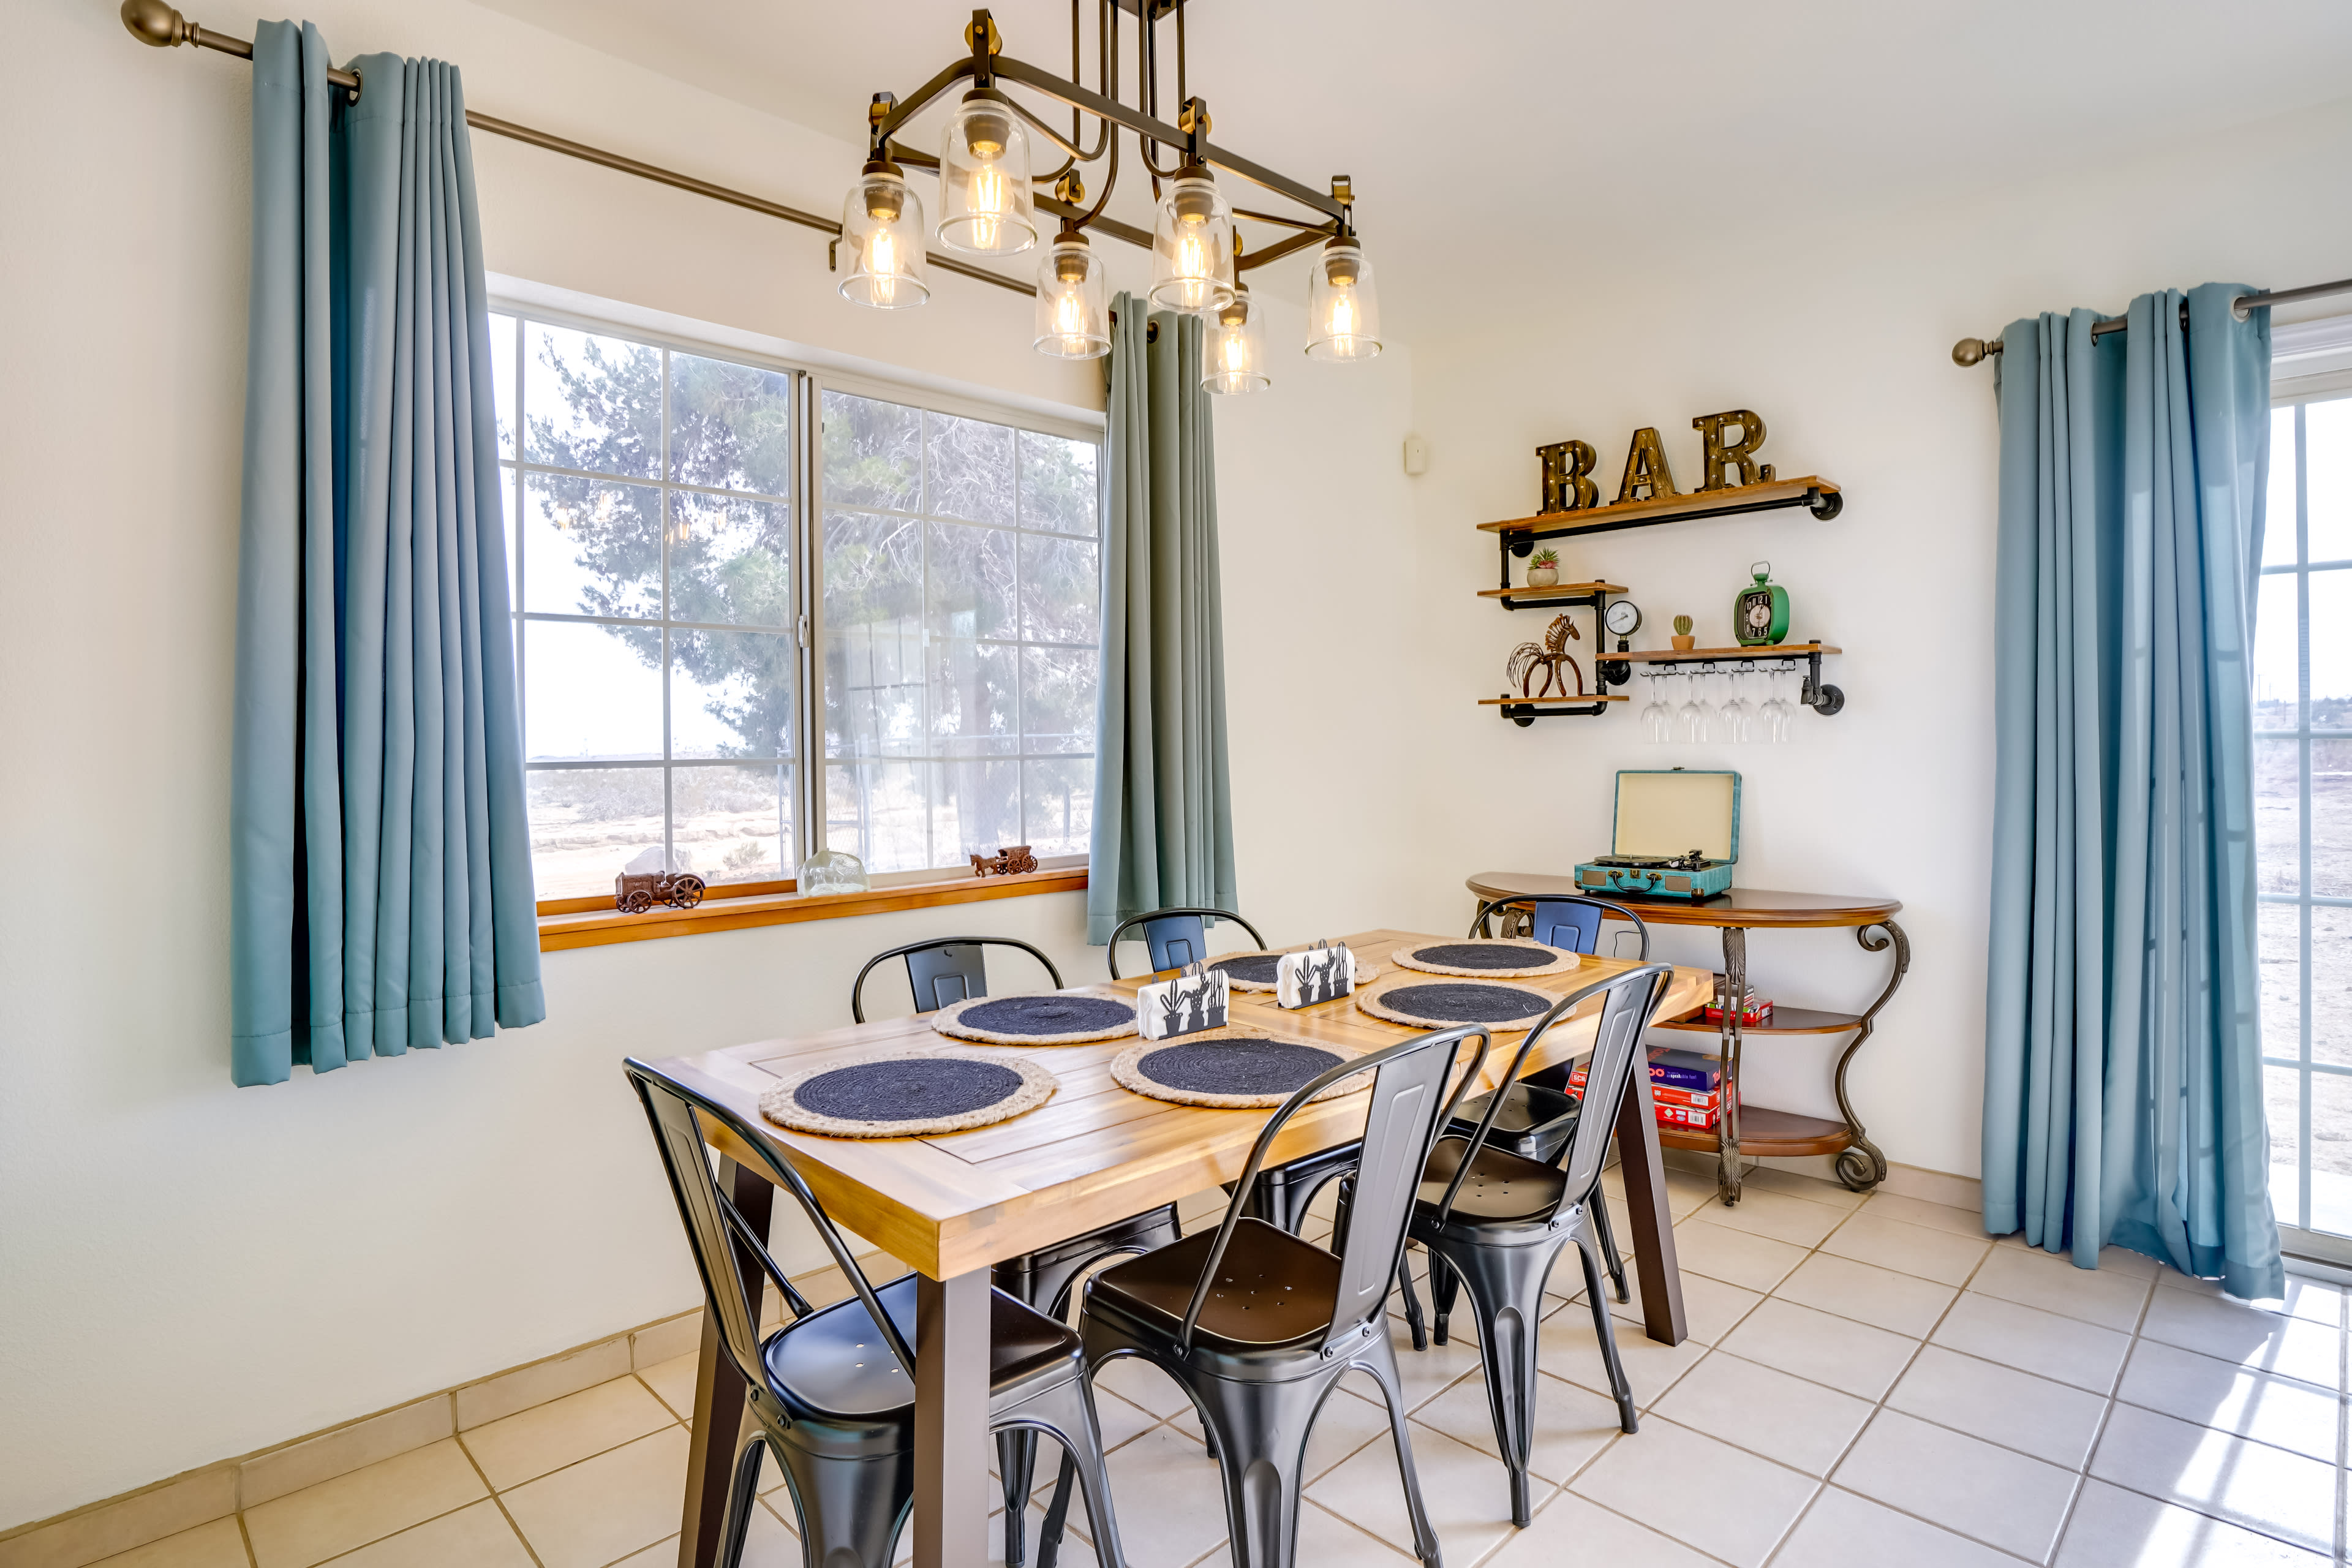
{"x": 1669, "y": 813}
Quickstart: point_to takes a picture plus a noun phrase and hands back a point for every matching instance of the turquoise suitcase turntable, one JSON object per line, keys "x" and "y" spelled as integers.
{"x": 1677, "y": 836}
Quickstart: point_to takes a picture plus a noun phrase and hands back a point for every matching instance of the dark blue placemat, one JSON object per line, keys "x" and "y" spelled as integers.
{"x": 1237, "y": 1066}
{"x": 1465, "y": 1003}
{"x": 1047, "y": 1015}
{"x": 1481, "y": 956}
{"x": 1257, "y": 969}
{"x": 918, "y": 1091}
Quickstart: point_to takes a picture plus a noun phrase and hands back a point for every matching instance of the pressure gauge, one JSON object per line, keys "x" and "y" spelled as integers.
{"x": 1624, "y": 617}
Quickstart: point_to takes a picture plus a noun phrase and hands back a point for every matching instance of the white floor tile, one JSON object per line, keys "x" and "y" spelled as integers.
{"x": 2316, "y": 1301}
{"x": 1573, "y": 1530}
{"x": 1843, "y": 1530}
{"x": 2113, "y": 1528}
{"x": 2264, "y": 1340}
{"x": 2251, "y": 1484}
{"x": 2031, "y": 1339}
{"x": 1903, "y": 1303}
{"x": 2051, "y": 1421}
{"x": 1931, "y": 1254}
{"x": 1854, "y": 1357}
{"x": 2109, "y": 1298}
{"x": 1723, "y": 1500}
{"x": 1568, "y": 1348}
{"x": 1935, "y": 1216}
{"x": 1734, "y": 1257}
{"x": 1573, "y": 1424}
{"x": 1812, "y": 1189}
{"x": 2222, "y": 1394}
{"x": 1766, "y": 1411}
{"x": 1466, "y": 1493}
{"x": 1143, "y": 1384}
{"x": 1326, "y": 1541}
{"x": 1424, "y": 1374}
{"x": 1763, "y": 1212}
{"x": 1960, "y": 1483}
{"x": 1171, "y": 1504}
{"x": 1710, "y": 1308}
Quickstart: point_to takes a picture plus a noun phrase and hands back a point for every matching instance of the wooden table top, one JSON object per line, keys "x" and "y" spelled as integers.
{"x": 1096, "y": 1153}
{"x": 1739, "y": 907}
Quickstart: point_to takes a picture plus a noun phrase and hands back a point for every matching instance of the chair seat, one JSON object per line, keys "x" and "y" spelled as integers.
{"x": 1535, "y": 1121}
{"x": 1504, "y": 1190}
{"x": 1273, "y": 1292}
{"x": 834, "y": 1365}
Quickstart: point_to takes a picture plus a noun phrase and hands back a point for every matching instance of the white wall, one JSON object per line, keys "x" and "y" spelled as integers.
{"x": 1837, "y": 330}
{"x": 189, "y": 1271}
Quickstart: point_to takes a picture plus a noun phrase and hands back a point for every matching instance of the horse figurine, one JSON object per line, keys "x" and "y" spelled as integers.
{"x": 1528, "y": 659}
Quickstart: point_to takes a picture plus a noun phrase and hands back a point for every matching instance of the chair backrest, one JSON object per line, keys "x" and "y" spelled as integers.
{"x": 943, "y": 970}
{"x": 1408, "y": 1104}
{"x": 727, "y": 1252}
{"x": 1627, "y": 1002}
{"x": 1174, "y": 938}
{"x": 1570, "y": 921}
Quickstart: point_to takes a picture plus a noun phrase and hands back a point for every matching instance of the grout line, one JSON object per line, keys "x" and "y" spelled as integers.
{"x": 246, "y": 1536}
{"x": 501, "y": 1502}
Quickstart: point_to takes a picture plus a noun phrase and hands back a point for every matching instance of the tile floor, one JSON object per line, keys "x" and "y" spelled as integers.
{"x": 1868, "y": 1382}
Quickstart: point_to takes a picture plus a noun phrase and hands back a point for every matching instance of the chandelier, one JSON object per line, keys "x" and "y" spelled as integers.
{"x": 990, "y": 198}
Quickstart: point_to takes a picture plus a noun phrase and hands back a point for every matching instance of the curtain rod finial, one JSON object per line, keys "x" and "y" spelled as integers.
{"x": 1969, "y": 351}
{"x": 153, "y": 22}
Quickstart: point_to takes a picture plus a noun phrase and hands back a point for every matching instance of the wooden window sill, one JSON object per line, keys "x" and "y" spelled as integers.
{"x": 598, "y": 928}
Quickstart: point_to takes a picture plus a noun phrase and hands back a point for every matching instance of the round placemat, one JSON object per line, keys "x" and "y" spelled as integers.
{"x": 1049, "y": 1019}
{"x": 1232, "y": 1069}
{"x": 1443, "y": 1003}
{"x": 906, "y": 1094}
{"x": 1487, "y": 959}
{"x": 1258, "y": 971}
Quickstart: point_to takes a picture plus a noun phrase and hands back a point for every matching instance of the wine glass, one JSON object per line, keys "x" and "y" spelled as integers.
{"x": 1696, "y": 716}
{"x": 1738, "y": 716}
{"x": 1776, "y": 710}
{"x": 1657, "y": 719}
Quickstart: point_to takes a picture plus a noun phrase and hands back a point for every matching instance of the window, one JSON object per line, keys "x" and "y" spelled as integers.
{"x": 2303, "y": 822}
{"x": 963, "y": 612}
{"x": 673, "y": 577}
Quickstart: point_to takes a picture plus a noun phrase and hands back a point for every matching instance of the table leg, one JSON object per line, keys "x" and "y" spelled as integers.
{"x": 1735, "y": 988}
{"x": 951, "y": 1449}
{"x": 1649, "y": 1223}
{"x": 1861, "y": 1166}
{"x": 718, "y": 1391}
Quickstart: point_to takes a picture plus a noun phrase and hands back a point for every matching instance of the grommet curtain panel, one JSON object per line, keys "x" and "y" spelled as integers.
{"x": 1163, "y": 822}
{"x": 380, "y": 887}
{"x": 2122, "y": 1068}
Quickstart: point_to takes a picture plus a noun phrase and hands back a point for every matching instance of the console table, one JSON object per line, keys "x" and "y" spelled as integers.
{"x": 1756, "y": 1130}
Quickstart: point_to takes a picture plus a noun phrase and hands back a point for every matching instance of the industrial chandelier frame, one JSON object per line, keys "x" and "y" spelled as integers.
{"x": 990, "y": 200}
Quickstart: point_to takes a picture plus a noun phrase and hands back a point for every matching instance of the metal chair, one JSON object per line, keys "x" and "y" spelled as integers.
{"x": 838, "y": 1411}
{"x": 1257, "y": 1326}
{"x": 1539, "y": 1113}
{"x": 1497, "y": 1220}
{"x": 950, "y": 969}
{"x": 1174, "y": 938}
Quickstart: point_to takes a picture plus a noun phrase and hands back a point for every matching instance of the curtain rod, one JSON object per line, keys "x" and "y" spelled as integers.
{"x": 156, "y": 21}
{"x": 1972, "y": 351}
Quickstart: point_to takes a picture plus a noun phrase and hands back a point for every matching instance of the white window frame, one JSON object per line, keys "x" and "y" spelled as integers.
{"x": 811, "y": 382}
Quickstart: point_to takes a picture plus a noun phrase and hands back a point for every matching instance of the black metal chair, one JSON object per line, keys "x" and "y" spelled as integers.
{"x": 1257, "y": 1325}
{"x": 1173, "y": 937}
{"x": 1539, "y": 1113}
{"x": 948, "y": 969}
{"x": 836, "y": 1407}
{"x": 1497, "y": 1219}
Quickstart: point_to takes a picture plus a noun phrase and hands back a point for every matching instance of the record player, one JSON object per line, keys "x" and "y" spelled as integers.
{"x": 1676, "y": 835}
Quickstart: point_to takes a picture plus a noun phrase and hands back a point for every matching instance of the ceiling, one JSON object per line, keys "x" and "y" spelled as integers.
{"x": 1656, "y": 120}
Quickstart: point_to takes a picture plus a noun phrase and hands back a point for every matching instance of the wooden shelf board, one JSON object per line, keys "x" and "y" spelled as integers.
{"x": 1782, "y": 1134}
{"x": 1556, "y": 591}
{"x": 1677, "y": 655}
{"x": 1549, "y": 701}
{"x": 1785, "y": 1021}
{"x": 1783, "y": 492}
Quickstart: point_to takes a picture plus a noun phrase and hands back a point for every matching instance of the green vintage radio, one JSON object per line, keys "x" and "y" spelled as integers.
{"x": 1677, "y": 836}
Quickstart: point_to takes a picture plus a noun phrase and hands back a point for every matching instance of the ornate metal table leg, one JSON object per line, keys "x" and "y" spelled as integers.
{"x": 1861, "y": 1166}
{"x": 1734, "y": 989}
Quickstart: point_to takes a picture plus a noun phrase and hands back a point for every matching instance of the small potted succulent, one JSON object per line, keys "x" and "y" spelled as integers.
{"x": 1544, "y": 570}
{"x": 1682, "y": 639}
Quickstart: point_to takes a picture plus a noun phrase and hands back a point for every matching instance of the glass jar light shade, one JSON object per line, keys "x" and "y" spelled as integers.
{"x": 1233, "y": 353}
{"x": 1192, "y": 247}
{"x": 1343, "y": 314}
{"x": 1073, "y": 320}
{"x": 986, "y": 205}
{"x": 882, "y": 232}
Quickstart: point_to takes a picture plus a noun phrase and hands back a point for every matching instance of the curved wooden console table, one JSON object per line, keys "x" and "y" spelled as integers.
{"x": 1758, "y": 1130}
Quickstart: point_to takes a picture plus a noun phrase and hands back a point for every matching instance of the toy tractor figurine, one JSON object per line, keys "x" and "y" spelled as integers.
{"x": 634, "y": 892}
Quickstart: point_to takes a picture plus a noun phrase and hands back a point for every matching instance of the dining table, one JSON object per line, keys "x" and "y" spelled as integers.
{"x": 950, "y": 1207}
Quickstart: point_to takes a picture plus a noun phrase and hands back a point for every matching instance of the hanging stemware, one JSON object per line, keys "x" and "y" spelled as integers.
{"x": 1657, "y": 719}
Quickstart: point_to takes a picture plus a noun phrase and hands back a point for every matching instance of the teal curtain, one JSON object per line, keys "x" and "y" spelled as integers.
{"x": 1163, "y": 827}
{"x": 2123, "y": 1066}
{"x": 380, "y": 860}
